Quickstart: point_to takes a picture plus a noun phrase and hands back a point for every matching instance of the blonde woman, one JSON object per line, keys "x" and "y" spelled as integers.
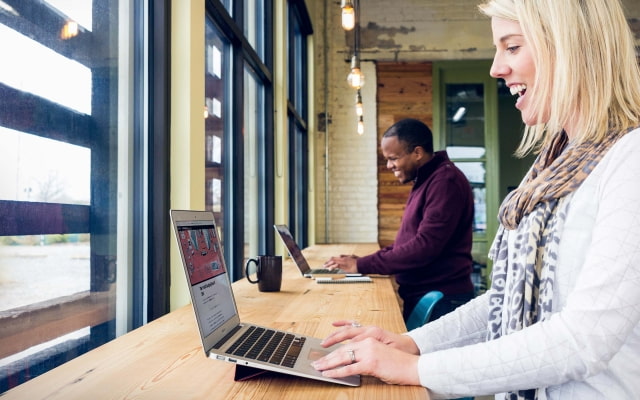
{"x": 561, "y": 320}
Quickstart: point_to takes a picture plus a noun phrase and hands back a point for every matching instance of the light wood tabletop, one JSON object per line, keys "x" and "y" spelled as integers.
{"x": 165, "y": 359}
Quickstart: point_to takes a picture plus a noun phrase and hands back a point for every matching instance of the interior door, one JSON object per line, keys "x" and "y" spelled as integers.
{"x": 465, "y": 124}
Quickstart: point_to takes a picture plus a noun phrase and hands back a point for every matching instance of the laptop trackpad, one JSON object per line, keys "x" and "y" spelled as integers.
{"x": 317, "y": 353}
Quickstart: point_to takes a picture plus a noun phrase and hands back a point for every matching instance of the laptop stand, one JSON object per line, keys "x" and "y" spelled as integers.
{"x": 244, "y": 373}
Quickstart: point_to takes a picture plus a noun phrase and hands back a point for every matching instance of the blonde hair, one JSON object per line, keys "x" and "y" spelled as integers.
{"x": 586, "y": 67}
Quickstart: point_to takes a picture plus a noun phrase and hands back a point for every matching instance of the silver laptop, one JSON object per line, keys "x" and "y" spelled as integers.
{"x": 254, "y": 349}
{"x": 298, "y": 257}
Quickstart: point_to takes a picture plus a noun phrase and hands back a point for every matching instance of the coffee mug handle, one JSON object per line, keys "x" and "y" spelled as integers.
{"x": 246, "y": 270}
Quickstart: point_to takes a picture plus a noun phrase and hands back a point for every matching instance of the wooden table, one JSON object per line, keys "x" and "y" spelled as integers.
{"x": 164, "y": 359}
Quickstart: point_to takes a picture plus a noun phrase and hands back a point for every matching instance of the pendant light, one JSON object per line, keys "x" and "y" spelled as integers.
{"x": 348, "y": 15}
{"x": 355, "y": 77}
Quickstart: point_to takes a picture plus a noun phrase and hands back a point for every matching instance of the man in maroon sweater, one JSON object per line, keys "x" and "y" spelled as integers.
{"x": 432, "y": 249}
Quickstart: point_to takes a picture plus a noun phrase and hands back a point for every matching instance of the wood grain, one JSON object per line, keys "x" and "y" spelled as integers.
{"x": 405, "y": 90}
{"x": 165, "y": 360}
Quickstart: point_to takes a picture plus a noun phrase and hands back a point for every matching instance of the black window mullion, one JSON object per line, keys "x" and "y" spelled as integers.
{"x": 159, "y": 278}
{"x": 298, "y": 29}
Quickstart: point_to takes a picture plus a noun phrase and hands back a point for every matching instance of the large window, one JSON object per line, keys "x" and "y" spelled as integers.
{"x": 216, "y": 114}
{"x": 254, "y": 162}
{"x": 297, "y": 115}
{"x": 73, "y": 191}
{"x": 239, "y": 127}
{"x": 58, "y": 202}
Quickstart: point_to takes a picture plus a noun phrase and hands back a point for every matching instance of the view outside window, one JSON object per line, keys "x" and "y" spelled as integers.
{"x": 216, "y": 117}
{"x": 253, "y": 123}
{"x": 36, "y": 268}
{"x": 254, "y": 16}
{"x": 298, "y": 30}
{"x": 237, "y": 132}
{"x": 466, "y": 142}
{"x": 58, "y": 187}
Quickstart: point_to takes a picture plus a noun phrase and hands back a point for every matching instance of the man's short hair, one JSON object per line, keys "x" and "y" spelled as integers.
{"x": 413, "y": 133}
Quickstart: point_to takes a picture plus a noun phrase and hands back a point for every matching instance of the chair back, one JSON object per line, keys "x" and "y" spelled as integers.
{"x": 422, "y": 311}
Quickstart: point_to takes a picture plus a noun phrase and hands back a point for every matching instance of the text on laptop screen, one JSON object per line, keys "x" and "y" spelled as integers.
{"x": 208, "y": 278}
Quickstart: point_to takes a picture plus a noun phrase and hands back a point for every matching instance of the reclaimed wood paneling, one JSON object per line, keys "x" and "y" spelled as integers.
{"x": 404, "y": 91}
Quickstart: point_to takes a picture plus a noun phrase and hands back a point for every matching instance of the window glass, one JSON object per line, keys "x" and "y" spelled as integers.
{"x": 215, "y": 113}
{"x": 237, "y": 84}
{"x": 254, "y": 25}
{"x": 59, "y": 182}
{"x": 465, "y": 135}
{"x": 253, "y": 124}
{"x": 41, "y": 169}
{"x": 63, "y": 81}
{"x": 228, "y": 4}
{"x": 297, "y": 120}
{"x": 79, "y": 12}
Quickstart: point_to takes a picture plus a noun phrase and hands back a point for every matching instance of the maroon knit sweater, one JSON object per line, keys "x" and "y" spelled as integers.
{"x": 432, "y": 249}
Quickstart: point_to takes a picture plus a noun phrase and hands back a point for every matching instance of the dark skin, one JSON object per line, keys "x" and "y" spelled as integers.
{"x": 391, "y": 357}
{"x": 404, "y": 164}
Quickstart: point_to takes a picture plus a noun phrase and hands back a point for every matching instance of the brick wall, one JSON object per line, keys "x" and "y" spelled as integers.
{"x": 345, "y": 189}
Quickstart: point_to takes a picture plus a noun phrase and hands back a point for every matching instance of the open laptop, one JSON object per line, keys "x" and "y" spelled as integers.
{"x": 254, "y": 349}
{"x": 298, "y": 257}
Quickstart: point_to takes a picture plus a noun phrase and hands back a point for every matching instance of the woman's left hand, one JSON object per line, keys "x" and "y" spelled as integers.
{"x": 370, "y": 357}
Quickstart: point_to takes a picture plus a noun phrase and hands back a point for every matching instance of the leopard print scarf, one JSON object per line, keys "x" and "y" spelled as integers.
{"x": 524, "y": 251}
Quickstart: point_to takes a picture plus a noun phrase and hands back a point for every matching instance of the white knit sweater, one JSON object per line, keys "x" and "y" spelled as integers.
{"x": 590, "y": 347}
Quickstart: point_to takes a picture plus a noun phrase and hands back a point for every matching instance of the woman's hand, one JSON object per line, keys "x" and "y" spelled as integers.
{"x": 391, "y": 357}
{"x": 351, "y": 330}
{"x": 371, "y": 357}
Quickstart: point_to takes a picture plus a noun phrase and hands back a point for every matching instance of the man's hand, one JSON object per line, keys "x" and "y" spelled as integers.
{"x": 347, "y": 263}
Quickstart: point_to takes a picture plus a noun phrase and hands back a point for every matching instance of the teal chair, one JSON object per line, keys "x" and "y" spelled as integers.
{"x": 422, "y": 311}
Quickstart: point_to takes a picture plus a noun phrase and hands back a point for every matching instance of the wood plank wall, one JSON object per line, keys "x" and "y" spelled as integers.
{"x": 404, "y": 91}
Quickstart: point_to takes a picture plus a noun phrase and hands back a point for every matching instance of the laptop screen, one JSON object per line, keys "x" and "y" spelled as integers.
{"x": 207, "y": 274}
{"x": 292, "y": 248}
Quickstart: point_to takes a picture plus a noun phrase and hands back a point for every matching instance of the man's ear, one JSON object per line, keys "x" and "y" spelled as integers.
{"x": 419, "y": 151}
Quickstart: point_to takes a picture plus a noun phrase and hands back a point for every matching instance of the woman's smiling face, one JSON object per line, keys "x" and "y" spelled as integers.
{"x": 513, "y": 62}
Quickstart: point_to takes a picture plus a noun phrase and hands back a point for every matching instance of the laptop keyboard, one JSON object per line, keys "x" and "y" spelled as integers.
{"x": 267, "y": 345}
{"x": 318, "y": 271}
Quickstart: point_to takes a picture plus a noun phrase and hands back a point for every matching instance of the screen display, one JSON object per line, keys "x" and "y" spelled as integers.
{"x": 207, "y": 275}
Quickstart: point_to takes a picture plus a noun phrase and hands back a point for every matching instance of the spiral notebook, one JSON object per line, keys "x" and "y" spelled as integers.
{"x": 346, "y": 279}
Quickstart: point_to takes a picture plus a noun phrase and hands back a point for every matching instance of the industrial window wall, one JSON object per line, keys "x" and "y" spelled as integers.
{"x": 239, "y": 126}
{"x": 69, "y": 132}
{"x": 298, "y": 29}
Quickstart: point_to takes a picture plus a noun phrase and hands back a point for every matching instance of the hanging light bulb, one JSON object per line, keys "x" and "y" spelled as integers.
{"x": 348, "y": 15}
{"x": 359, "y": 108}
{"x": 355, "y": 77}
{"x": 360, "y": 126}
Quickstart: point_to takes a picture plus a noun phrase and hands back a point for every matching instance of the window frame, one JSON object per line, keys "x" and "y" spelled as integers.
{"x": 472, "y": 72}
{"x": 244, "y": 55}
{"x": 145, "y": 294}
{"x": 299, "y": 27}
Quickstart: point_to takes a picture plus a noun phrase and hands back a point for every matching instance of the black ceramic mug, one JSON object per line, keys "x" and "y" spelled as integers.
{"x": 268, "y": 272}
